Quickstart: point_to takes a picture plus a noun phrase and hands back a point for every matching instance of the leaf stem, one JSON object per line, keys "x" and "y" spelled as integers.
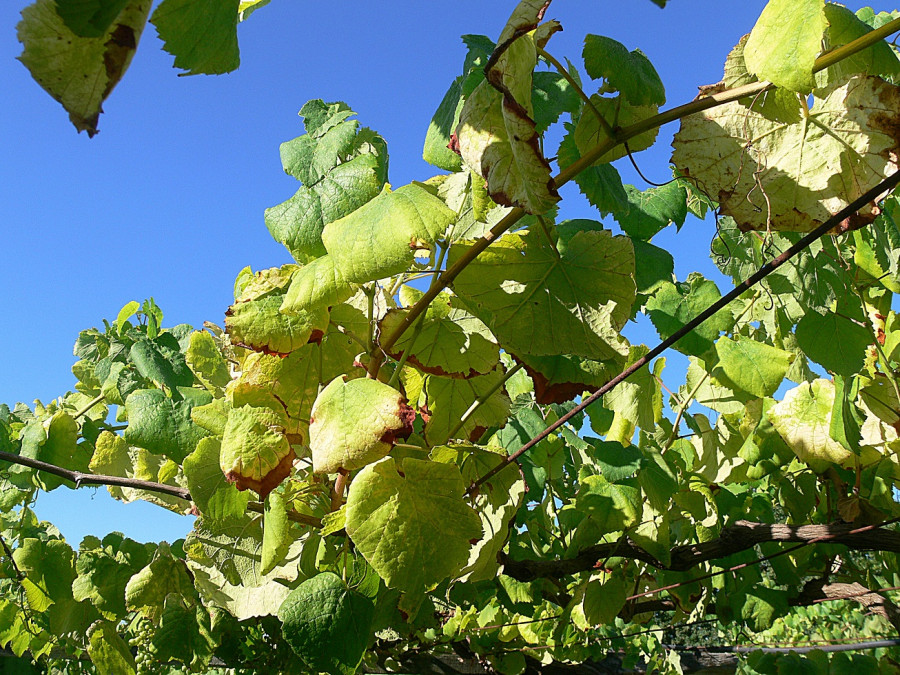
{"x": 484, "y": 398}
{"x": 607, "y": 129}
{"x": 546, "y": 229}
{"x": 93, "y": 402}
{"x": 685, "y": 404}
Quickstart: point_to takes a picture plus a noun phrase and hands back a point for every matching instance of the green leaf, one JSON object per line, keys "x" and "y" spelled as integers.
{"x": 89, "y": 18}
{"x": 162, "y": 425}
{"x": 161, "y": 361}
{"x": 255, "y": 452}
{"x": 753, "y": 366}
{"x": 184, "y": 633}
{"x": 447, "y": 340}
{"x": 277, "y": 537}
{"x": 61, "y": 449}
{"x": 327, "y": 624}
{"x": 630, "y": 73}
{"x": 200, "y": 34}
{"x": 446, "y": 117}
{"x": 614, "y": 507}
{"x": 785, "y": 42}
{"x": 207, "y": 363}
{"x": 845, "y": 416}
{"x": 108, "y": 651}
{"x": 603, "y": 601}
{"x": 834, "y": 341}
{"x": 803, "y": 419}
{"x": 844, "y": 26}
{"x": 341, "y": 166}
{"x": 551, "y": 96}
{"x": 675, "y": 305}
{"x": 381, "y": 238}
{"x": 710, "y": 392}
{"x": 318, "y": 284}
{"x": 589, "y": 133}
{"x": 639, "y": 398}
{"x": 216, "y": 498}
{"x": 653, "y": 210}
{"x": 657, "y": 480}
{"x": 448, "y": 399}
{"x": 48, "y": 566}
{"x": 147, "y": 590}
{"x": 615, "y": 461}
{"x": 79, "y": 72}
{"x": 793, "y": 166}
{"x": 354, "y": 423}
{"x": 541, "y": 301}
{"x": 762, "y": 606}
{"x": 600, "y": 183}
{"x": 413, "y": 506}
{"x": 654, "y": 266}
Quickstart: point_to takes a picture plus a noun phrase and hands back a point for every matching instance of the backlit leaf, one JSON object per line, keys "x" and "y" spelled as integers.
{"x": 200, "y": 34}
{"x": 802, "y": 419}
{"x": 785, "y": 42}
{"x": 79, "y": 72}
{"x": 769, "y": 174}
{"x": 410, "y": 521}
{"x": 540, "y": 301}
{"x": 355, "y": 423}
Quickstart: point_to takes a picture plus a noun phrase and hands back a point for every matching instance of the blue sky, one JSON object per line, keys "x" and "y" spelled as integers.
{"x": 167, "y": 201}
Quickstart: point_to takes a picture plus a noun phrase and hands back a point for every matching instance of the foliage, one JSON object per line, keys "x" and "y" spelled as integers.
{"x": 387, "y": 443}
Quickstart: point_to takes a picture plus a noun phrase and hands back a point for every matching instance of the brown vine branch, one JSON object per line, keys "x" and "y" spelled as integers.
{"x": 735, "y": 538}
{"x": 80, "y": 478}
{"x": 874, "y": 193}
{"x": 567, "y": 174}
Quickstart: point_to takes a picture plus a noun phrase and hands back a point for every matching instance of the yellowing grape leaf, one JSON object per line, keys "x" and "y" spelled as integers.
{"x": 803, "y": 419}
{"x": 289, "y": 385}
{"x": 79, "y": 72}
{"x": 497, "y": 137}
{"x": 541, "y": 301}
{"x": 255, "y": 452}
{"x": 355, "y": 423}
{"x": 255, "y": 321}
{"x": 381, "y": 238}
{"x": 409, "y": 520}
{"x": 783, "y": 175}
{"x": 448, "y": 399}
{"x": 446, "y": 341}
{"x": 318, "y": 284}
{"x": 561, "y": 377}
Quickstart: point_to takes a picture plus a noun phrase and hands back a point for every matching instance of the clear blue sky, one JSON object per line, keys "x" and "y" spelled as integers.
{"x": 167, "y": 201}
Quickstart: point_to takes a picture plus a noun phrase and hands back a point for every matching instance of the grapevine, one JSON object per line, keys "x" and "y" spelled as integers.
{"x": 425, "y": 444}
